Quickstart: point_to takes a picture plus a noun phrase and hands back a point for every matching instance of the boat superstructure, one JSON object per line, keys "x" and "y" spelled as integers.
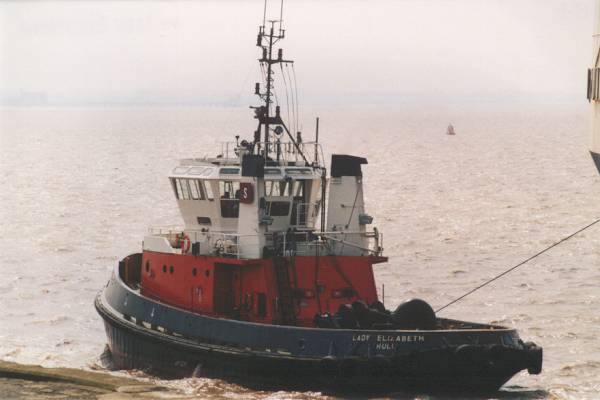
{"x": 266, "y": 280}
{"x": 255, "y": 245}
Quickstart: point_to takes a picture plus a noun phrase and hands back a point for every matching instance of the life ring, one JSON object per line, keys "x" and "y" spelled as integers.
{"x": 184, "y": 243}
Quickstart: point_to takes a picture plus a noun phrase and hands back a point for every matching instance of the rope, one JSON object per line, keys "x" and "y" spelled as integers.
{"x": 296, "y": 94}
{"x": 293, "y": 122}
{"x": 275, "y": 89}
{"x": 341, "y": 273}
{"x": 287, "y": 98}
{"x": 519, "y": 264}
{"x": 316, "y": 283}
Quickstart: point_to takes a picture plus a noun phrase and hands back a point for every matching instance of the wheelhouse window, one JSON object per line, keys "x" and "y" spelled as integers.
{"x": 180, "y": 170}
{"x": 277, "y": 188}
{"x": 188, "y": 189}
{"x": 272, "y": 171}
{"x": 196, "y": 171}
{"x": 196, "y": 190}
{"x": 182, "y": 189}
{"x": 298, "y": 171}
{"x": 229, "y": 192}
{"x": 278, "y": 208}
{"x": 208, "y": 190}
{"x": 229, "y": 171}
{"x": 298, "y": 190}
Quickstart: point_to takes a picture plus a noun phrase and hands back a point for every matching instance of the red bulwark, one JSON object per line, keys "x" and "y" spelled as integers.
{"x": 247, "y": 289}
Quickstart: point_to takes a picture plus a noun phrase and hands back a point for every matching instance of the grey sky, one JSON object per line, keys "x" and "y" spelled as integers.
{"x": 345, "y": 51}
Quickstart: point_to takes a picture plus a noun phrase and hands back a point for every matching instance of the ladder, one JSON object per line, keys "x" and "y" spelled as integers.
{"x": 286, "y": 308}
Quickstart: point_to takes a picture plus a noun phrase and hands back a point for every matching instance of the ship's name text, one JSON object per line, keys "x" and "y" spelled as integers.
{"x": 389, "y": 338}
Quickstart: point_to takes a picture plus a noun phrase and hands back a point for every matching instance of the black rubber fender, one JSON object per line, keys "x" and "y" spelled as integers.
{"x": 361, "y": 312}
{"x": 347, "y": 317}
{"x": 414, "y": 314}
{"x": 378, "y": 306}
{"x": 535, "y": 355}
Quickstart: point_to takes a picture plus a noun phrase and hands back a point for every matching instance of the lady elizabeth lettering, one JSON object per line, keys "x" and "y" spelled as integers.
{"x": 388, "y": 342}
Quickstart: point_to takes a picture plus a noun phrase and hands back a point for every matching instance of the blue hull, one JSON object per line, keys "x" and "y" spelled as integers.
{"x": 167, "y": 341}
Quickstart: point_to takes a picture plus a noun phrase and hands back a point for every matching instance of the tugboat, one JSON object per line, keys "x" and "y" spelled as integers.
{"x": 264, "y": 287}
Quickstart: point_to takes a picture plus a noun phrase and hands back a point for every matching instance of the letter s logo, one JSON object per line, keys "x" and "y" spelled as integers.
{"x": 246, "y": 193}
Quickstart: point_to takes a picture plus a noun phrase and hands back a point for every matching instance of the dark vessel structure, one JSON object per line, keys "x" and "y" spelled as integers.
{"x": 593, "y": 90}
{"x": 265, "y": 287}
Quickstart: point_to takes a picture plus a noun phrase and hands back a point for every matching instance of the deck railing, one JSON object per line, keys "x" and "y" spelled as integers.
{"x": 288, "y": 151}
{"x": 302, "y": 243}
{"x": 306, "y": 214}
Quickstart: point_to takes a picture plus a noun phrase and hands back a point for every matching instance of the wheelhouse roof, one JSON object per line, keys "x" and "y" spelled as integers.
{"x": 208, "y": 170}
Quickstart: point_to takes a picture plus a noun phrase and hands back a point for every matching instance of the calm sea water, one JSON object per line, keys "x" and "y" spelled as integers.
{"x": 80, "y": 186}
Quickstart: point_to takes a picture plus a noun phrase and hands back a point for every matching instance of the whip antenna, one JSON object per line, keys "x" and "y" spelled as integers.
{"x": 519, "y": 264}
{"x": 280, "y": 16}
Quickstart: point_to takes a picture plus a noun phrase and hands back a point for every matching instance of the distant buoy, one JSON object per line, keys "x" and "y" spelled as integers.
{"x": 450, "y": 130}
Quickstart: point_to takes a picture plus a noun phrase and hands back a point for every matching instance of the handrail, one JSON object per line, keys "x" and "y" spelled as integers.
{"x": 306, "y": 214}
{"x": 350, "y": 244}
{"x": 288, "y": 242}
{"x": 230, "y": 149}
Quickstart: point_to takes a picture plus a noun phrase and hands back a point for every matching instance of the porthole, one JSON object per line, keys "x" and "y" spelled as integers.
{"x": 171, "y": 269}
{"x": 147, "y": 266}
{"x": 194, "y": 272}
{"x": 164, "y": 268}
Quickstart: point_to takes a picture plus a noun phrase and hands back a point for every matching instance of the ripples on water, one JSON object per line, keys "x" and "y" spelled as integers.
{"x": 79, "y": 187}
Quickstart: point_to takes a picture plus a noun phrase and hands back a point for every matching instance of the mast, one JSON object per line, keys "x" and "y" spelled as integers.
{"x": 268, "y": 121}
{"x": 269, "y": 61}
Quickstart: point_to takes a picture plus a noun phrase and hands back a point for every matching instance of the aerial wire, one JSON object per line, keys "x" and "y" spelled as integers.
{"x": 293, "y": 121}
{"x": 519, "y": 264}
{"x": 263, "y": 73}
{"x": 296, "y": 86}
{"x": 287, "y": 99}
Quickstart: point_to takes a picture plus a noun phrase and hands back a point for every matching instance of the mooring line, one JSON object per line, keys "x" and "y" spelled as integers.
{"x": 518, "y": 265}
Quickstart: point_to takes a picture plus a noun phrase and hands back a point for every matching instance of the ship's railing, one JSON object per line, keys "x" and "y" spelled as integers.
{"x": 288, "y": 151}
{"x": 211, "y": 242}
{"x": 299, "y": 243}
{"x": 171, "y": 232}
{"x": 230, "y": 244}
{"x": 165, "y": 229}
{"x": 306, "y": 214}
{"x": 334, "y": 242}
{"x": 293, "y": 242}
